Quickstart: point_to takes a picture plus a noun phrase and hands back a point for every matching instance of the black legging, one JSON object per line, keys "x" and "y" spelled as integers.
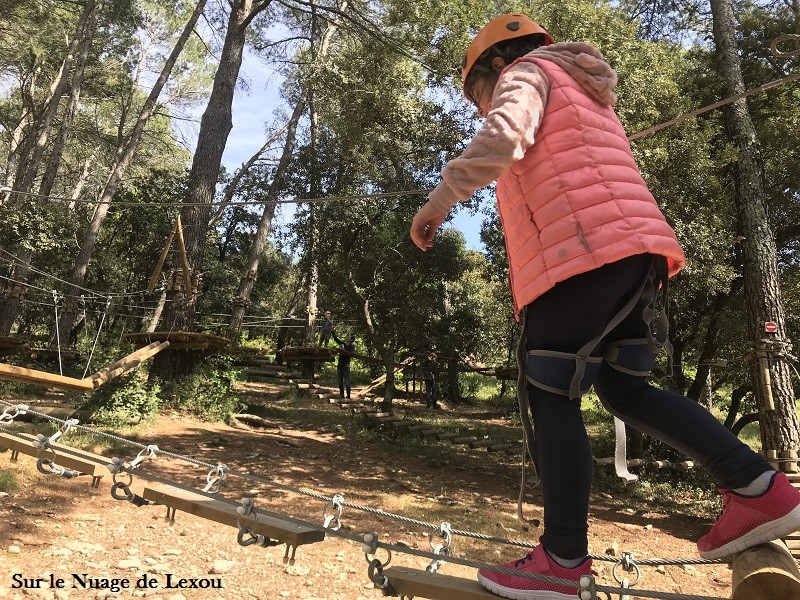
{"x": 564, "y": 319}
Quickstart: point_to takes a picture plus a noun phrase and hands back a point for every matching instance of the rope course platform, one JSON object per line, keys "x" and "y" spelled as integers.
{"x": 181, "y": 340}
{"x": 51, "y": 354}
{"x": 303, "y": 353}
{"x": 10, "y": 345}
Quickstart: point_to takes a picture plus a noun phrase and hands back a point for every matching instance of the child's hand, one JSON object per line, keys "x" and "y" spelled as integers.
{"x": 424, "y": 226}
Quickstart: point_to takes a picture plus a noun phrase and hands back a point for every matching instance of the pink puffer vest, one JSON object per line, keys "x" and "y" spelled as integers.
{"x": 576, "y": 200}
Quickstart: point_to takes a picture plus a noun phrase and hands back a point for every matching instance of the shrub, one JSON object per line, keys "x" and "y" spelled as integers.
{"x": 208, "y": 392}
{"x": 8, "y": 481}
{"x": 124, "y": 399}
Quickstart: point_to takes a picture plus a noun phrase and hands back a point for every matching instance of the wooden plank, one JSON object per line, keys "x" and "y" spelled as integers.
{"x": 87, "y": 463}
{"x": 421, "y": 584}
{"x": 765, "y": 572}
{"x": 222, "y": 512}
{"x": 23, "y": 375}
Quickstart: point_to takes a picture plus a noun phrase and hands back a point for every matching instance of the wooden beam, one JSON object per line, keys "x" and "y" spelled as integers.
{"x": 78, "y": 460}
{"x": 415, "y": 583}
{"x": 765, "y": 572}
{"x": 43, "y": 378}
{"x": 187, "y": 275}
{"x": 127, "y": 363}
{"x": 225, "y": 513}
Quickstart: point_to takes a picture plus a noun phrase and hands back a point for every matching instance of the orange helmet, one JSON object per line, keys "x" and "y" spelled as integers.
{"x": 500, "y": 29}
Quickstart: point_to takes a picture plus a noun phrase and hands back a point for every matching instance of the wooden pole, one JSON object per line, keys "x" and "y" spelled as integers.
{"x": 187, "y": 276}
{"x": 765, "y": 572}
{"x": 154, "y": 277}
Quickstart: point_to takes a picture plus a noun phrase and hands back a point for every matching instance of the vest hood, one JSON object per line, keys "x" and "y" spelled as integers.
{"x": 585, "y": 64}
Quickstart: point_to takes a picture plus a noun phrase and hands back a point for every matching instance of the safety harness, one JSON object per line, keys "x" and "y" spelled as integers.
{"x": 571, "y": 375}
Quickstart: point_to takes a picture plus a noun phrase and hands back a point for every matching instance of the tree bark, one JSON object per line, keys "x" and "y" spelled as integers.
{"x": 769, "y": 374}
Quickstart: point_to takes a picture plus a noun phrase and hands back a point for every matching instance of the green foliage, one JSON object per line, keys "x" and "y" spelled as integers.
{"x": 8, "y": 481}
{"x": 123, "y": 400}
{"x": 207, "y": 392}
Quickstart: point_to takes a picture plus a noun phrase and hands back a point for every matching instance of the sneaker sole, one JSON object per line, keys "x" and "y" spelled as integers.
{"x": 516, "y": 594}
{"x": 762, "y": 534}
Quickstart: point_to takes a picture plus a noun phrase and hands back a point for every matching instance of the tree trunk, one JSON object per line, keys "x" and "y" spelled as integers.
{"x": 709, "y": 352}
{"x": 769, "y": 374}
{"x": 215, "y": 126}
{"x": 162, "y": 300}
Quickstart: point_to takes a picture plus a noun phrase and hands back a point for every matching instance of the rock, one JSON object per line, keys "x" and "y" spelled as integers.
{"x": 13, "y": 550}
{"x": 297, "y": 570}
{"x": 132, "y": 562}
{"x": 221, "y": 566}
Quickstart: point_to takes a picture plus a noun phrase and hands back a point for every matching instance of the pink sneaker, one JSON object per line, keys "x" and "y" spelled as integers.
{"x": 523, "y": 588}
{"x": 748, "y": 521}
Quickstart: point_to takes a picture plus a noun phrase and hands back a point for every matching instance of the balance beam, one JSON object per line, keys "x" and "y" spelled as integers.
{"x": 415, "y": 583}
{"x": 765, "y": 572}
{"x": 222, "y": 512}
{"x": 32, "y": 376}
{"x": 85, "y": 462}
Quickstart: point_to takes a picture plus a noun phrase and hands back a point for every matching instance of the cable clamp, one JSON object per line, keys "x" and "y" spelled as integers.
{"x": 7, "y": 417}
{"x": 587, "y": 590}
{"x": 45, "y": 442}
{"x": 214, "y": 479}
{"x": 629, "y": 566}
{"x": 151, "y": 451}
{"x": 440, "y": 547}
{"x": 333, "y": 521}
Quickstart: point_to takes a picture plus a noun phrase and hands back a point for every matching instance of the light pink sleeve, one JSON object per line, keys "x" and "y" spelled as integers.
{"x": 509, "y": 130}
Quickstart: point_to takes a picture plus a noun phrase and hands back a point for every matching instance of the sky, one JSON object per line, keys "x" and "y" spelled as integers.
{"x": 254, "y": 102}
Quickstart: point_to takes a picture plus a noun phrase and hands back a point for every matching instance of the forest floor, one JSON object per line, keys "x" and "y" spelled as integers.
{"x": 52, "y": 527}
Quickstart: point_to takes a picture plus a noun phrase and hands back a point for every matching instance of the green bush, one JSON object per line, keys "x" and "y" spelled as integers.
{"x": 207, "y": 392}
{"x": 124, "y": 399}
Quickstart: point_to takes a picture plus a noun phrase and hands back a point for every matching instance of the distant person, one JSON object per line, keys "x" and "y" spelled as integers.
{"x": 429, "y": 369}
{"x": 347, "y": 349}
{"x": 327, "y": 329}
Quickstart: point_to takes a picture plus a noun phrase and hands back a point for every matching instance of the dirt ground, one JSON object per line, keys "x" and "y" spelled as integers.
{"x": 53, "y": 528}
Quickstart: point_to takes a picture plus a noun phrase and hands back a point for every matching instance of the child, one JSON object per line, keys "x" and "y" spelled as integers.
{"x": 326, "y": 329}
{"x": 589, "y": 254}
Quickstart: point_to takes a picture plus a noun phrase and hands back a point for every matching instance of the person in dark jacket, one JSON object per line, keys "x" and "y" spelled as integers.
{"x": 346, "y": 350}
{"x": 326, "y": 329}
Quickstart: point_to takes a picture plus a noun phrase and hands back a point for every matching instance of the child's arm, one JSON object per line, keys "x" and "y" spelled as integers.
{"x": 517, "y": 106}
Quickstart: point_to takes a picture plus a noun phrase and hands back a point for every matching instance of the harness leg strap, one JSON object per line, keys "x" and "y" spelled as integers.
{"x": 634, "y": 356}
{"x": 556, "y": 371}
